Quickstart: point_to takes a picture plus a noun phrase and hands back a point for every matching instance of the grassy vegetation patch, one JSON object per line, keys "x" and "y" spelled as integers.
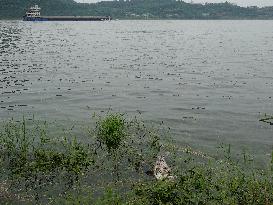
{"x": 115, "y": 165}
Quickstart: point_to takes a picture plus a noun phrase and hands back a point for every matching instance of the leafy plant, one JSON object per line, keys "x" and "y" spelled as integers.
{"x": 111, "y": 131}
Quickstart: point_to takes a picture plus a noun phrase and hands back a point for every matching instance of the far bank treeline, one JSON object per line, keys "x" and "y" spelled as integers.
{"x": 136, "y": 9}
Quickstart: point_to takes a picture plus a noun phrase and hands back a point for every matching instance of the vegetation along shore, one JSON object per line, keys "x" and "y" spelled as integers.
{"x": 113, "y": 162}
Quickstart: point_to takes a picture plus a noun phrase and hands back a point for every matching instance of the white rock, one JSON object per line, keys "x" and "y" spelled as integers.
{"x": 161, "y": 169}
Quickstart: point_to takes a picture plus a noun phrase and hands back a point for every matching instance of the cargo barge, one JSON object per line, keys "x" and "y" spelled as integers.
{"x": 34, "y": 14}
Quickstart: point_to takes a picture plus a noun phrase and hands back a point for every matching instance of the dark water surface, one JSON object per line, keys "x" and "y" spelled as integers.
{"x": 210, "y": 81}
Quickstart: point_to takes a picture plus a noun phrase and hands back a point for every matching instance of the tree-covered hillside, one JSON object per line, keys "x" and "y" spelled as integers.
{"x": 16, "y": 8}
{"x": 136, "y": 9}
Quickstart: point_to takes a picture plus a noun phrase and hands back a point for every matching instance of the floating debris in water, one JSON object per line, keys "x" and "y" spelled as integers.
{"x": 198, "y": 108}
{"x": 267, "y": 119}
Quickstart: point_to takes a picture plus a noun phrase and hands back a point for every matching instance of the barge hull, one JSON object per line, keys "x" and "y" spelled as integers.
{"x": 68, "y": 18}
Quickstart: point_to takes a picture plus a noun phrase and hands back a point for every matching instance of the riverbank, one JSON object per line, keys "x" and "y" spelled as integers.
{"x": 115, "y": 165}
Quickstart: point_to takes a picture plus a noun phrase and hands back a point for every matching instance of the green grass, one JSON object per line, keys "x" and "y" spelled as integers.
{"x": 110, "y": 166}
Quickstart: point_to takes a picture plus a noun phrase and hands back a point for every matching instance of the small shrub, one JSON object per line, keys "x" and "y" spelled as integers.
{"x": 111, "y": 131}
{"x": 157, "y": 193}
{"x": 109, "y": 197}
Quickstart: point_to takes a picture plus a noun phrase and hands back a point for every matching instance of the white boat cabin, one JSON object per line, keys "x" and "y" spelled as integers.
{"x": 34, "y": 11}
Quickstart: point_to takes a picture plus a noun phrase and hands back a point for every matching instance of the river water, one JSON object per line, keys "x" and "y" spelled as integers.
{"x": 209, "y": 81}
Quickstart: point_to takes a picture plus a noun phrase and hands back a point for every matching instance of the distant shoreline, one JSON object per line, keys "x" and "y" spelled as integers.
{"x": 163, "y": 19}
{"x": 140, "y": 10}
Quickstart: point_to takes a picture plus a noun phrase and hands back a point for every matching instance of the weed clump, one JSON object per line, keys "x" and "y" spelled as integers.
{"x": 33, "y": 162}
{"x": 111, "y": 131}
{"x": 157, "y": 193}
